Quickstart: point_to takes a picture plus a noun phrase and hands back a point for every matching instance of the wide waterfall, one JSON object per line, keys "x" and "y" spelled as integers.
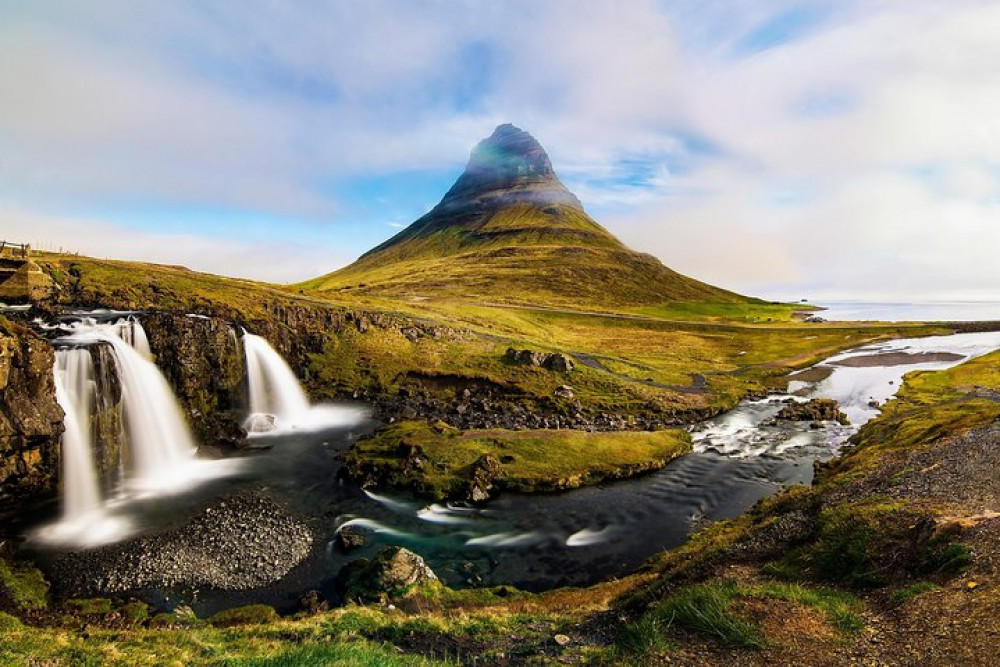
{"x": 277, "y": 400}
{"x": 158, "y": 453}
{"x": 81, "y": 493}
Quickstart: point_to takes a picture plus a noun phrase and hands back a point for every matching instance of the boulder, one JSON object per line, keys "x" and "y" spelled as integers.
{"x": 485, "y": 471}
{"x": 553, "y": 361}
{"x": 393, "y": 574}
{"x": 564, "y": 391}
{"x": 816, "y": 410}
{"x": 349, "y": 538}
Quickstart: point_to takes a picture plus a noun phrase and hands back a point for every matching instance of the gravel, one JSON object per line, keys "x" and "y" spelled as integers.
{"x": 238, "y": 542}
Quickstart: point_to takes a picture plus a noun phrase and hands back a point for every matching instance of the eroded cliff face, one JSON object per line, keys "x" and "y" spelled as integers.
{"x": 203, "y": 361}
{"x": 31, "y": 421}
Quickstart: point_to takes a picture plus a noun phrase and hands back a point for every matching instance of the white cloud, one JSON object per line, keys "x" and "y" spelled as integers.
{"x": 858, "y": 155}
{"x": 278, "y": 260}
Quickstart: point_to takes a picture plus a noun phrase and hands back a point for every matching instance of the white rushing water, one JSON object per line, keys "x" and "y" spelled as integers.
{"x": 276, "y": 397}
{"x": 158, "y": 451}
{"x": 81, "y": 493}
{"x": 160, "y": 445}
{"x": 278, "y": 403}
{"x": 860, "y": 380}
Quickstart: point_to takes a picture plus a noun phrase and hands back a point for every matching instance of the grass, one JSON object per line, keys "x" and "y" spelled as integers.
{"x": 907, "y": 593}
{"x": 712, "y": 610}
{"x": 644, "y": 361}
{"x": 531, "y": 460}
{"x": 518, "y": 254}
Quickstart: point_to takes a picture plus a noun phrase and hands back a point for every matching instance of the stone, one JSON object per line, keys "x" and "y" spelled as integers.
{"x": 393, "y": 574}
{"x": 816, "y": 410}
{"x": 349, "y": 538}
{"x": 564, "y": 391}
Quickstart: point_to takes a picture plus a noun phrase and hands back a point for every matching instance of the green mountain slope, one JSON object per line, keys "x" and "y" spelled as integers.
{"x": 509, "y": 231}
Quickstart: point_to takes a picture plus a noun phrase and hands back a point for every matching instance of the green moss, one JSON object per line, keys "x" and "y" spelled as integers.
{"x": 135, "y": 612}
{"x": 8, "y": 622}
{"x": 23, "y": 586}
{"x": 709, "y": 610}
{"x": 320, "y": 655}
{"x": 907, "y": 593}
{"x": 247, "y": 615}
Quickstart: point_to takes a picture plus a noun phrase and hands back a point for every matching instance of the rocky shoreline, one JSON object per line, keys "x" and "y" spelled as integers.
{"x": 238, "y": 542}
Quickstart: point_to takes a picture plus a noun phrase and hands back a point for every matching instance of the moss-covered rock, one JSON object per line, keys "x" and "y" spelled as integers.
{"x": 252, "y": 614}
{"x": 22, "y": 587}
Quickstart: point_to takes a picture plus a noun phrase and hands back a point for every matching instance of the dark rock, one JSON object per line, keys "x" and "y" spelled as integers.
{"x": 553, "y": 361}
{"x": 313, "y": 602}
{"x": 816, "y": 410}
{"x": 393, "y": 574}
{"x": 485, "y": 471}
{"x": 30, "y": 418}
{"x": 349, "y": 538}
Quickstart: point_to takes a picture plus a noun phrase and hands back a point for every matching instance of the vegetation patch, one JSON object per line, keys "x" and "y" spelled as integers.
{"x": 22, "y": 587}
{"x": 711, "y": 610}
{"x": 441, "y": 462}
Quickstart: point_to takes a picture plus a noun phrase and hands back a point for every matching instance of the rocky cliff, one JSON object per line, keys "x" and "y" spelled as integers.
{"x": 30, "y": 419}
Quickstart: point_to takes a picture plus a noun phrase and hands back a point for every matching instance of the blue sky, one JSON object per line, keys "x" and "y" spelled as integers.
{"x": 782, "y": 148}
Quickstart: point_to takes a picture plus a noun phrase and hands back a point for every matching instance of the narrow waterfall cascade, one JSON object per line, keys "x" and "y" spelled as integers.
{"x": 130, "y": 330}
{"x": 74, "y": 368}
{"x": 276, "y": 397}
{"x": 277, "y": 401}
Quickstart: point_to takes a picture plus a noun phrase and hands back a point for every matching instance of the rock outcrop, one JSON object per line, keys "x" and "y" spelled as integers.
{"x": 394, "y": 573}
{"x": 30, "y": 418}
{"x": 553, "y": 361}
{"x": 202, "y": 359}
{"x": 816, "y": 410}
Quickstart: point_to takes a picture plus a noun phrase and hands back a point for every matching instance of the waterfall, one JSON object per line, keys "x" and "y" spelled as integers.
{"x": 159, "y": 440}
{"x": 74, "y": 379}
{"x": 130, "y": 330}
{"x": 276, "y": 397}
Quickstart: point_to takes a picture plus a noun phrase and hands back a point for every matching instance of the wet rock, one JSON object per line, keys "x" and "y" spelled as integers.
{"x": 393, "y": 574}
{"x": 313, "y": 602}
{"x": 202, "y": 360}
{"x": 349, "y": 538}
{"x": 816, "y": 410}
{"x": 30, "y": 418}
{"x": 485, "y": 472}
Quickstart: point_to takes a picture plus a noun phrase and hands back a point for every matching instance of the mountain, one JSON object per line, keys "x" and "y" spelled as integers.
{"x": 508, "y": 230}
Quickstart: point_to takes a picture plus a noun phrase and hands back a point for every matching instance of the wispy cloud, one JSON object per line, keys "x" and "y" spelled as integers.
{"x": 779, "y": 145}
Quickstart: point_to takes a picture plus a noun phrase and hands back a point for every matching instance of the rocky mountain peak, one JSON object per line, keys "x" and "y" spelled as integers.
{"x": 508, "y": 166}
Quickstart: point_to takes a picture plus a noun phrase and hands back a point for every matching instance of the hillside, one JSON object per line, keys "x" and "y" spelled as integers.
{"x": 509, "y": 231}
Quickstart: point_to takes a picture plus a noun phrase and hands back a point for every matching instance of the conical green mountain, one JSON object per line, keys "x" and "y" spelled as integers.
{"x": 509, "y": 231}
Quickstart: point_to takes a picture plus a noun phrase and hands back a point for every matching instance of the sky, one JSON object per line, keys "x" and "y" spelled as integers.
{"x": 782, "y": 148}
